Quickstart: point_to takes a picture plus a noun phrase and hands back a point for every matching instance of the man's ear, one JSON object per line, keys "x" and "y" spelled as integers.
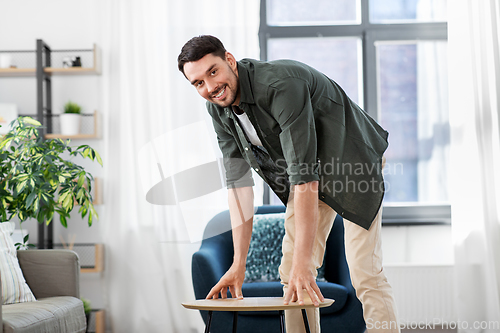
{"x": 231, "y": 60}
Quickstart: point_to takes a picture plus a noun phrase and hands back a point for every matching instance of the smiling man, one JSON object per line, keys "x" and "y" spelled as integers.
{"x": 318, "y": 151}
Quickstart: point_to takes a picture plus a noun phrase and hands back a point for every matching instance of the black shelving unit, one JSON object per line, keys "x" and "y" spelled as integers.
{"x": 43, "y": 72}
{"x": 44, "y": 112}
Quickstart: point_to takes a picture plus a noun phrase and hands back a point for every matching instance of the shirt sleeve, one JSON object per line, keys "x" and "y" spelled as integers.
{"x": 290, "y": 104}
{"x": 238, "y": 172}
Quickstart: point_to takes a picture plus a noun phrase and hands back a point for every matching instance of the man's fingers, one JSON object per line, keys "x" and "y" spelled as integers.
{"x": 300, "y": 298}
{"x": 223, "y": 292}
{"x": 312, "y": 295}
{"x": 288, "y": 295}
{"x": 318, "y": 292}
{"x": 214, "y": 292}
{"x": 239, "y": 294}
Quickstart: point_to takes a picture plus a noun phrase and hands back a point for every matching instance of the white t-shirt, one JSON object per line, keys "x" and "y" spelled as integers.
{"x": 249, "y": 129}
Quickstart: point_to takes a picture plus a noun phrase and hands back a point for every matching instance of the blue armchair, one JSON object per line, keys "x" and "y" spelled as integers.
{"x": 215, "y": 256}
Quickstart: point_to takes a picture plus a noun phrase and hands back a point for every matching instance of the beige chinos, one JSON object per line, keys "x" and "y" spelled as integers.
{"x": 364, "y": 257}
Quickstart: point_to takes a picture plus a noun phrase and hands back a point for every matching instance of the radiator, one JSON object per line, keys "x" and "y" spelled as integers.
{"x": 423, "y": 293}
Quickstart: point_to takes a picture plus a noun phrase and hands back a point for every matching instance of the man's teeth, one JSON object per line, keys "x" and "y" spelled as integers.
{"x": 221, "y": 93}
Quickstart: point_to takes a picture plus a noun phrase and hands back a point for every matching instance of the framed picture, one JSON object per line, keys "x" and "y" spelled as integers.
{"x": 8, "y": 113}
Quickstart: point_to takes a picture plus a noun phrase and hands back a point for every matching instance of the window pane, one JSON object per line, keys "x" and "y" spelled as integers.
{"x": 318, "y": 12}
{"x": 338, "y": 58}
{"x": 412, "y": 96}
{"x": 385, "y": 11}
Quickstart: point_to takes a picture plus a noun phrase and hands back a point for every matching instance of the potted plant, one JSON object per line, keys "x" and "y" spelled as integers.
{"x": 37, "y": 180}
{"x": 70, "y": 119}
{"x": 88, "y": 309}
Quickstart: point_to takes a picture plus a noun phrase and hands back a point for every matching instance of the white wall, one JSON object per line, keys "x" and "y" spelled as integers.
{"x": 62, "y": 24}
{"x": 419, "y": 245}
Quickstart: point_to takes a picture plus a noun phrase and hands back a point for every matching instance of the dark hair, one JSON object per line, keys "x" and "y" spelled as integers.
{"x": 198, "y": 47}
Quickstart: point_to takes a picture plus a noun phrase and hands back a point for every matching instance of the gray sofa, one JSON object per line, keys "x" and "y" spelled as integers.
{"x": 53, "y": 276}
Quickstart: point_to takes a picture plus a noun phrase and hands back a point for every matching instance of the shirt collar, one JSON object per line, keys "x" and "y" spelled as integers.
{"x": 246, "y": 95}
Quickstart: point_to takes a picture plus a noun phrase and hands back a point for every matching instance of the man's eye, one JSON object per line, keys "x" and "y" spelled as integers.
{"x": 213, "y": 72}
{"x": 199, "y": 83}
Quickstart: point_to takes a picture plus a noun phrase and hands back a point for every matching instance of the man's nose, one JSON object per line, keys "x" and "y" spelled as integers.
{"x": 211, "y": 87}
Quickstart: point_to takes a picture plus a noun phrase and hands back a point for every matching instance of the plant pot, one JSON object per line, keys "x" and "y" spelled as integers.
{"x": 70, "y": 123}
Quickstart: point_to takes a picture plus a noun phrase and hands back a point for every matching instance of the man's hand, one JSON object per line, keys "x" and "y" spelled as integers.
{"x": 306, "y": 225}
{"x": 302, "y": 278}
{"x": 233, "y": 279}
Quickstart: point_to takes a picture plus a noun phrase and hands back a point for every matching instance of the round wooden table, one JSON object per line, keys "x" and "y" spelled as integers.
{"x": 252, "y": 304}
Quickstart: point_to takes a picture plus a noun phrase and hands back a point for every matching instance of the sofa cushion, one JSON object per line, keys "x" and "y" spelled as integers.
{"x": 53, "y": 314}
{"x": 14, "y": 287}
{"x": 264, "y": 253}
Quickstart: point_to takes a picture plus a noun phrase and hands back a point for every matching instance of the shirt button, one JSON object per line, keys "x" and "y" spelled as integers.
{"x": 246, "y": 148}
{"x": 322, "y": 197}
{"x": 256, "y": 169}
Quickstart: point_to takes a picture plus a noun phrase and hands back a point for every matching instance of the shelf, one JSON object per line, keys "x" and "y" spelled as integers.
{"x": 94, "y": 135}
{"x": 91, "y": 255}
{"x": 12, "y": 72}
{"x": 99, "y": 261}
{"x": 94, "y": 70}
{"x": 97, "y": 322}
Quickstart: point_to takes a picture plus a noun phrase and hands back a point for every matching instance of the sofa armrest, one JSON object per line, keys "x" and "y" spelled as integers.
{"x": 51, "y": 272}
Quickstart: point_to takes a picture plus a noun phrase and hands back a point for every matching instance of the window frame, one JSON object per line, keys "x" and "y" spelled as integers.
{"x": 369, "y": 33}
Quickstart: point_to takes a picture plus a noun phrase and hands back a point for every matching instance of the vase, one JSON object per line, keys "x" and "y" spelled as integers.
{"x": 70, "y": 123}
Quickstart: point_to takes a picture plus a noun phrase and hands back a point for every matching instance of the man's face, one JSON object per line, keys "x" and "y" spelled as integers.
{"x": 215, "y": 79}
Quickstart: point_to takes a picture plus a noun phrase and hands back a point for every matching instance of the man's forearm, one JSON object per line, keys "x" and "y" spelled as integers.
{"x": 306, "y": 221}
{"x": 241, "y": 211}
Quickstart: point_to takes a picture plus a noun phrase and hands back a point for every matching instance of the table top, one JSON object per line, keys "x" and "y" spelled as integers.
{"x": 251, "y": 304}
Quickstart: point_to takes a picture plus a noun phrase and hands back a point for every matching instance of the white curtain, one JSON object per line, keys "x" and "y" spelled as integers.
{"x": 474, "y": 72}
{"x": 156, "y": 124}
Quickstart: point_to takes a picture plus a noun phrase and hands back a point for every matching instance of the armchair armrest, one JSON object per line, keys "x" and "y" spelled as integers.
{"x": 208, "y": 265}
{"x": 51, "y": 272}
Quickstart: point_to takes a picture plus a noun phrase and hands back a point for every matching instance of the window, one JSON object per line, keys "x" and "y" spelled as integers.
{"x": 390, "y": 58}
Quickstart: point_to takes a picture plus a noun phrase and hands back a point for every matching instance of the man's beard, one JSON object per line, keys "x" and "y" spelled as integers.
{"x": 233, "y": 98}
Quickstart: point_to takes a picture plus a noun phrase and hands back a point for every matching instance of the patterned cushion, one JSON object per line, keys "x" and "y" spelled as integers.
{"x": 264, "y": 254}
{"x": 14, "y": 287}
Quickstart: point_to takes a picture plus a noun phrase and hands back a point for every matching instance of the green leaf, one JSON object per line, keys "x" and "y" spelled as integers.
{"x": 81, "y": 179}
{"x": 31, "y": 121}
{"x": 26, "y": 238}
{"x": 20, "y": 187}
{"x": 99, "y": 160}
{"x": 36, "y": 204}
{"x": 90, "y": 219}
{"x": 64, "y": 222}
{"x": 30, "y": 199}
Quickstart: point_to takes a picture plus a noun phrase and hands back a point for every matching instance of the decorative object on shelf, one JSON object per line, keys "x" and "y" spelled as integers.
{"x": 5, "y": 60}
{"x": 71, "y": 119}
{"x": 8, "y": 113}
{"x": 76, "y": 62}
{"x": 37, "y": 181}
{"x": 67, "y": 62}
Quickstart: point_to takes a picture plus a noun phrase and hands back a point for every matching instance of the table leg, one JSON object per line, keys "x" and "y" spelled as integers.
{"x": 306, "y": 322}
{"x": 235, "y": 321}
{"x": 209, "y": 322}
{"x": 282, "y": 320}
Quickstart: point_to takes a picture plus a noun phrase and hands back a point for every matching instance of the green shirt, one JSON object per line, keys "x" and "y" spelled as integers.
{"x": 311, "y": 130}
